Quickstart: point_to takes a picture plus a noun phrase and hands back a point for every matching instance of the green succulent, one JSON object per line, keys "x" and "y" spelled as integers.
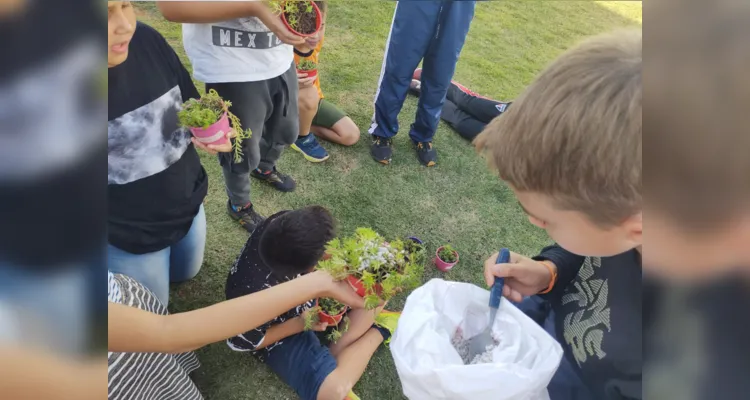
{"x": 368, "y": 257}
{"x": 203, "y": 112}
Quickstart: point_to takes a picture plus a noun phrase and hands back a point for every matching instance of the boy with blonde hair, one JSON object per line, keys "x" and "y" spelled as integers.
{"x": 570, "y": 149}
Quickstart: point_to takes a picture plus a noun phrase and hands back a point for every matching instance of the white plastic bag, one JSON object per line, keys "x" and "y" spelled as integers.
{"x": 431, "y": 369}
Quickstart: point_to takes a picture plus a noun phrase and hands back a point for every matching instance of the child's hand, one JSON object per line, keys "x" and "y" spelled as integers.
{"x": 275, "y": 25}
{"x": 523, "y": 276}
{"x": 340, "y": 291}
{"x": 214, "y": 148}
{"x": 319, "y": 327}
{"x": 304, "y": 81}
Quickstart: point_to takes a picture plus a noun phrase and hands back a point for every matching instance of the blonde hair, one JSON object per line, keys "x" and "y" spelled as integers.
{"x": 575, "y": 132}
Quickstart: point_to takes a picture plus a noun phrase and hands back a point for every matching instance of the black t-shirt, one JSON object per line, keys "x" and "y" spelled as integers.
{"x": 598, "y": 319}
{"x": 249, "y": 274}
{"x": 52, "y": 191}
{"x": 156, "y": 182}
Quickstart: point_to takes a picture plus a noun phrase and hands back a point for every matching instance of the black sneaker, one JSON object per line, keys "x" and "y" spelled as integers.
{"x": 281, "y": 182}
{"x": 426, "y": 154}
{"x": 381, "y": 149}
{"x": 246, "y": 216}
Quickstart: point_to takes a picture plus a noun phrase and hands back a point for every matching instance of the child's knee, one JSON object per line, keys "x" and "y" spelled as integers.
{"x": 308, "y": 100}
{"x": 348, "y": 130}
{"x": 334, "y": 387}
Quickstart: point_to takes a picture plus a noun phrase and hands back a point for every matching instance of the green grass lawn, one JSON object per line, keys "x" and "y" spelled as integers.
{"x": 458, "y": 201}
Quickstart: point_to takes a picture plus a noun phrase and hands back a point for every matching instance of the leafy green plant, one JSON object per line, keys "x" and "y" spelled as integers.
{"x": 414, "y": 250}
{"x": 207, "y": 110}
{"x": 276, "y": 6}
{"x": 307, "y": 65}
{"x": 447, "y": 254}
{"x": 383, "y": 268}
{"x": 331, "y": 307}
{"x": 292, "y": 10}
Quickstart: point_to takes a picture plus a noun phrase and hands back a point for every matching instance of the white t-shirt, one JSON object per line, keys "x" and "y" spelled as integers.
{"x": 239, "y": 50}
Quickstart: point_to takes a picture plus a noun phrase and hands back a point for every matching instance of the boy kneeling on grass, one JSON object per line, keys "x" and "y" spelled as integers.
{"x": 570, "y": 149}
{"x": 317, "y": 115}
{"x": 287, "y": 245}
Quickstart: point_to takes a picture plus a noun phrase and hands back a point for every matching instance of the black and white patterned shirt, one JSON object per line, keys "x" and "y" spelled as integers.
{"x": 250, "y": 274}
{"x": 156, "y": 183}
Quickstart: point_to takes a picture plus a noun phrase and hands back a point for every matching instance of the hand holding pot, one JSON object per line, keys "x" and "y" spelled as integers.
{"x": 523, "y": 276}
{"x": 273, "y": 22}
{"x": 304, "y": 81}
{"x": 319, "y": 327}
{"x": 340, "y": 290}
{"x": 213, "y": 149}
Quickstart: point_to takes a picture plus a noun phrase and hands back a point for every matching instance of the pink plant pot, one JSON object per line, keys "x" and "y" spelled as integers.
{"x": 442, "y": 265}
{"x": 215, "y": 133}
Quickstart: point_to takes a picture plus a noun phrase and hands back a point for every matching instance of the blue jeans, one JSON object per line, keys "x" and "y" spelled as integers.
{"x": 302, "y": 362}
{"x": 177, "y": 263}
{"x": 45, "y": 309}
{"x": 565, "y": 384}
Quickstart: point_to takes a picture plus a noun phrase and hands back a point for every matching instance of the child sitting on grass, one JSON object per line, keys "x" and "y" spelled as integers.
{"x": 570, "y": 149}
{"x": 317, "y": 115}
{"x": 286, "y": 246}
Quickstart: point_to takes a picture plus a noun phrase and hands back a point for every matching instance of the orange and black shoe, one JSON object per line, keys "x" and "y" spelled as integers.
{"x": 246, "y": 216}
{"x": 282, "y": 183}
{"x": 381, "y": 149}
{"x": 426, "y": 154}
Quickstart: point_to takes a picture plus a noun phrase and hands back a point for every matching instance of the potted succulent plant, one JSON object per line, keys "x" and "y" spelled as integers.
{"x": 303, "y": 17}
{"x": 446, "y": 257}
{"x": 331, "y": 312}
{"x": 208, "y": 119}
{"x": 307, "y": 67}
{"x": 375, "y": 268}
{"x": 415, "y": 248}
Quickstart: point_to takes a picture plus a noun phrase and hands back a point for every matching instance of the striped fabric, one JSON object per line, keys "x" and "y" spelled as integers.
{"x": 113, "y": 289}
{"x": 147, "y": 376}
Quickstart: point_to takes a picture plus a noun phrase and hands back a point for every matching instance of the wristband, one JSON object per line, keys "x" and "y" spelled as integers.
{"x": 552, "y": 272}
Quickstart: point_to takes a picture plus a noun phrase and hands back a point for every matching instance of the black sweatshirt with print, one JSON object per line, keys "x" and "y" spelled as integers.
{"x": 249, "y": 274}
{"x": 598, "y": 319}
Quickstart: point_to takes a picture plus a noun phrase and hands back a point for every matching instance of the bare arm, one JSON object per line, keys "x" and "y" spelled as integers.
{"x": 282, "y": 331}
{"x": 135, "y": 330}
{"x": 27, "y": 374}
{"x": 202, "y": 12}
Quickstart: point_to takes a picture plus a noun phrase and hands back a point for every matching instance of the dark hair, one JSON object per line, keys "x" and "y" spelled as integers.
{"x": 295, "y": 241}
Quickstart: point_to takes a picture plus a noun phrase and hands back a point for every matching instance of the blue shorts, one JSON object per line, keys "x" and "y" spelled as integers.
{"x": 303, "y": 363}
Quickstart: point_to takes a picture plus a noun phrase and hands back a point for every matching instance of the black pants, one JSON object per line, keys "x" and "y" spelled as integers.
{"x": 269, "y": 109}
{"x": 468, "y": 114}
